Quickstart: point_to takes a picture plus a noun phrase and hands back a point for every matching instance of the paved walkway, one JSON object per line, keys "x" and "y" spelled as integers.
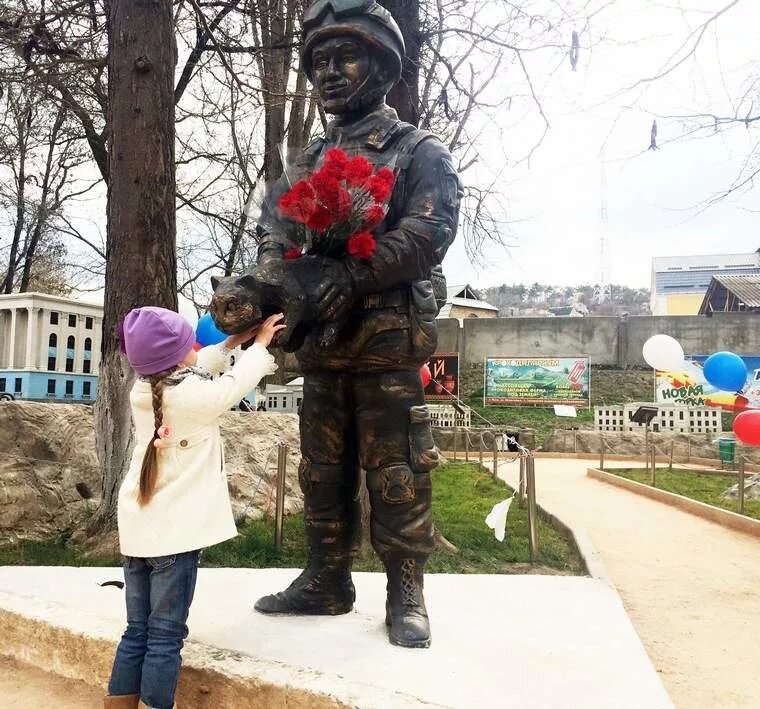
{"x": 691, "y": 587}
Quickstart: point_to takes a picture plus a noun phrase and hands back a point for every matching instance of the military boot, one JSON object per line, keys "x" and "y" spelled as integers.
{"x": 405, "y": 611}
{"x": 331, "y": 519}
{"x": 324, "y": 587}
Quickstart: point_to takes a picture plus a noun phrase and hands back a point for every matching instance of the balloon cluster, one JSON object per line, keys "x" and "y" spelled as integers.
{"x": 726, "y": 371}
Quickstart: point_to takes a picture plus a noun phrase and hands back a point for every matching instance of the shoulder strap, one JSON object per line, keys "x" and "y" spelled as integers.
{"x": 405, "y": 148}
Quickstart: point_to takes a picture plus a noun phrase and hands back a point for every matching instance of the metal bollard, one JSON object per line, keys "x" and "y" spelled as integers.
{"x": 653, "y": 461}
{"x": 646, "y": 449}
{"x": 741, "y": 484}
{"x": 467, "y": 445}
{"x": 532, "y": 513}
{"x": 282, "y": 463}
{"x": 601, "y": 451}
{"x": 455, "y": 440}
{"x": 495, "y": 456}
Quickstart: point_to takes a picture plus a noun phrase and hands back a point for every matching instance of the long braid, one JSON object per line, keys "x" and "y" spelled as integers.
{"x": 149, "y": 470}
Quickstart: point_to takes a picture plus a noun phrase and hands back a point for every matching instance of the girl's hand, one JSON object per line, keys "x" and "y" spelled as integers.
{"x": 234, "y": 341}
{"x": 268, "y": 329}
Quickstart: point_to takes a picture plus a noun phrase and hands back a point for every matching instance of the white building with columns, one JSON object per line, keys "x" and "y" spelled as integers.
{"x": 49, "y": 347}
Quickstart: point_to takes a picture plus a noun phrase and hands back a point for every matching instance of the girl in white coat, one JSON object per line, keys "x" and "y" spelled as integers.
{"x": 174, "y": 499}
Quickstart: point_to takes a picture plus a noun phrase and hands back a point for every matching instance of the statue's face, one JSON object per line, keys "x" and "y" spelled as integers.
{"x": 341, "y": 66}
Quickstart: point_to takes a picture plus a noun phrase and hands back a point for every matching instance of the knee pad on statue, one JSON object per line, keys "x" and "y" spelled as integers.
{"x": 393, "y": 483}
{"x": 311, "y": 474}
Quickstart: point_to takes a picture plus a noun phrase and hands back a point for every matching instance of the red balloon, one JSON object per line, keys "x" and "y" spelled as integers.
{"x": 747, "y": 427}
{"x": 425, "y": 375}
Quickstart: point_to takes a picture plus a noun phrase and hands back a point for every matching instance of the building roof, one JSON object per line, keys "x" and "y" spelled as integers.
{"x": 21, "y": 299}
{"x": 745, "y": 288}
{"x": 731, "y": 293}
{"x": 706, "y": 262}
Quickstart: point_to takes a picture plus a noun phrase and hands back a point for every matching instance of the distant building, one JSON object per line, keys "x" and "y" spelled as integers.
{"x": 284, "y": 399}
{"x": 576, "y": 310}
{"x": 732, "y": 294}
{"x": 670, "y": 418}
{"x": 679, "y": 283}
{"x": 463, "y": 302}
{"x": 49, "y": 347}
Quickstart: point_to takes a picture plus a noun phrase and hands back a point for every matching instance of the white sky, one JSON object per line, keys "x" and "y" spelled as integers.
{"x": 553, "y": 203}
{"x": 652, "y": 200}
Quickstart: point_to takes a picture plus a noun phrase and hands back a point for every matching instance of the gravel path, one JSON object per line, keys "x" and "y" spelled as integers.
{"x": 691, "y": 587}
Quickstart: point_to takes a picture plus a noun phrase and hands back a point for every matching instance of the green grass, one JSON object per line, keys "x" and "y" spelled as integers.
{"x": 51, "y": 552}
{"x": 462, "y": 497}
{"x": 701, "y": 487}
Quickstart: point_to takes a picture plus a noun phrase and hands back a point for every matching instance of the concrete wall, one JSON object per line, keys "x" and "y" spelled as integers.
{"x": 541, "y": 337}
{"x": 608, "y": 341}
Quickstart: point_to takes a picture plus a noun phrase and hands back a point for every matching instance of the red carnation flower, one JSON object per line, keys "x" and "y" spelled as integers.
{"x": 320, "y": 220}
{"x": 299, "y": 202}
{"x": 380, "y": 185}
{"x": 361, "y": 245}
{"x": 358, "y": 170}
{"x": 325, "y": 185}
{"x": 292, "y": 254}
{"x": 336, "y": 162}
{"x": 375, "y": 215}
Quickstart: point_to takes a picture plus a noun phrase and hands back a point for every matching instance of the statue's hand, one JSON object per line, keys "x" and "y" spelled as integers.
{"x": 332, "y": 290}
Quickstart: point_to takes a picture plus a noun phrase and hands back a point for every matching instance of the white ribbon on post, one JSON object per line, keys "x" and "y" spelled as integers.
{"x": 497, "y": 518}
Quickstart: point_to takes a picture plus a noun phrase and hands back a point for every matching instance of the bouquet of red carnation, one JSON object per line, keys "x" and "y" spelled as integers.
{"x": 338, "y": 206}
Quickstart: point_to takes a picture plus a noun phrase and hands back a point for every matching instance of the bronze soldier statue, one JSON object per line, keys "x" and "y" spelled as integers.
{"x": 363, "y": 405}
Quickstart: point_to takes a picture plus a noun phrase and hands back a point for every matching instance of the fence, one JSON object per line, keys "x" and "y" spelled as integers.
{"x": 492, "y": 442}
{"x": 652, "y": 453}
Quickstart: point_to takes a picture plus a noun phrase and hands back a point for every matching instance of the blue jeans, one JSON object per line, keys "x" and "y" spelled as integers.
{"x": 159, "y": 592}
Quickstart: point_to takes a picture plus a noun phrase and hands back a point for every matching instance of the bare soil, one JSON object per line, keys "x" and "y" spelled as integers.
{"x": 25, "y": 687}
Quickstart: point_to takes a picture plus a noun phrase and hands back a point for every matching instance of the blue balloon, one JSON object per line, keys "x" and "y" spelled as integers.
{"x": 207, "y": 333}
{"x": 726, "y": 371}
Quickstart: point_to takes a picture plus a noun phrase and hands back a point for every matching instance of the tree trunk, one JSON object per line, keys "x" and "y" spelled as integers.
{"x": 405, "y": 95}
{"x": 141, "y": 265}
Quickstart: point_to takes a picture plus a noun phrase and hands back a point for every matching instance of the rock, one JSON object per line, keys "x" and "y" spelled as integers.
{"x": 48, "y": 469}
{"x": 751, "y": 489}
{"x": 50, "y": 480}
{"x": 695, "y": 445}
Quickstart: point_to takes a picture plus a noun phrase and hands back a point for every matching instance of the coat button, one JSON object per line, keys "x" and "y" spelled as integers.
{"x": 183, "y": 443}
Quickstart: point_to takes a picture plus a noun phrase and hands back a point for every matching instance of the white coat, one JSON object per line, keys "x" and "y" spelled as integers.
{"x": 190, "y": 508}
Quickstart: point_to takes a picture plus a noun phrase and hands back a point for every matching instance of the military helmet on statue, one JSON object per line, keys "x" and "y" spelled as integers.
{"x": 365, "y": 19}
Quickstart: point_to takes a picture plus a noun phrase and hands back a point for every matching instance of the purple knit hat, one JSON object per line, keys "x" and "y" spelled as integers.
{"x": 156, "y": 339}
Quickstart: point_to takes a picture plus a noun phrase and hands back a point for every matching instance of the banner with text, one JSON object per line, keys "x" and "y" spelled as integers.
{"x": 690, "y": 388}
{"x": 444, "y": 382}
{"x": 537, "y": 382}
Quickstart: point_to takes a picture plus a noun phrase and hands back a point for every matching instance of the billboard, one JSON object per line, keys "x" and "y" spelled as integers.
{"x": 522, "y": 381}
{"x": 690, "y": 388}
{"x": 444, "y": 372}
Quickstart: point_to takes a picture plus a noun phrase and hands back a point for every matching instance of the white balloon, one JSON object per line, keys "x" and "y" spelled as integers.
{"x": 664, "y": 353}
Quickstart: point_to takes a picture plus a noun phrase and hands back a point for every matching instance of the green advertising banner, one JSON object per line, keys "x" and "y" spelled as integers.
{"x": 520, "y": 381}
